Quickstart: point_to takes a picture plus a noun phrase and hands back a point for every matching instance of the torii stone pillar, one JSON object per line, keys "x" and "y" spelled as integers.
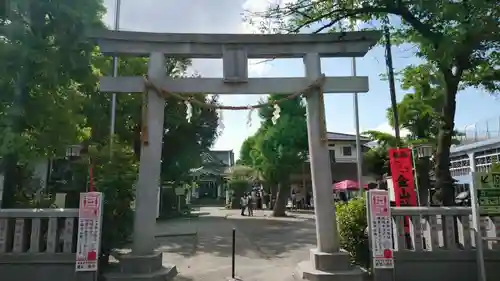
{"x": 146, "y": 194}
{"x": 327, "y": 262}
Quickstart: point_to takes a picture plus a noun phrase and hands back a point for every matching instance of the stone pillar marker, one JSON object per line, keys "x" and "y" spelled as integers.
{"x": 326, "y": 262}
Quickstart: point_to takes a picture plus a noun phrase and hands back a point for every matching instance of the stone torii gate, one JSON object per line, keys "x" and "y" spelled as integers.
{"x": 327, "y": 262}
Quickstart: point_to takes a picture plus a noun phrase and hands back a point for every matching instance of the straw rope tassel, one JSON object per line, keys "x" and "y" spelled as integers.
{"x": 145, "y": 125}
{"x": 317, "y": 84}
{"x": 166, "y": 94}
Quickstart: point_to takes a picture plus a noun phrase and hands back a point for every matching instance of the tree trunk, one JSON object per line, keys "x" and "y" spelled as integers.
{"x": 273, "y": 191}
{"x": 279, "y": 209}
{"x": 444, "y": 181}
{"x": 423, "y": 181}
{"x": 11, "y": 179}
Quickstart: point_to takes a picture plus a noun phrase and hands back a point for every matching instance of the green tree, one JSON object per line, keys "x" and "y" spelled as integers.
{"x": 240, "y": 179}
{"x": 376, "y": 161}
{"x": 51, "y": 98}
{"x": 45, "y": 64}
{"x": 282, "y": 147}
{"x": 246, "y": 150}
{"x": 115, "y": 177}
{"x": 190, "y": 139}
{"x": 460, "y": 39}
{"x": 419, "y": 111}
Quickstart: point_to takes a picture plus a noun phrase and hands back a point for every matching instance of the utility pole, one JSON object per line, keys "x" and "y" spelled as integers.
{"x": 115, "y": 74}
{"x": 359, "y": 147}
{"x": 390, "y": 73}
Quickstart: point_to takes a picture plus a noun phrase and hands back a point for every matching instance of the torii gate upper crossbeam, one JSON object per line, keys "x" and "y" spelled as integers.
{"x": 281, "y": 85}
{"x": 181, "y": 45}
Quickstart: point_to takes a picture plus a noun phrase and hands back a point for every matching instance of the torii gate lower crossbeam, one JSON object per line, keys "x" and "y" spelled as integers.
{"x": 327, "y": 261}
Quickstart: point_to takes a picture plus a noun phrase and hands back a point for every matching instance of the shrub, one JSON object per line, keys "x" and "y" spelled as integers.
{"x": 115, "y": 178}
{"x": 239, "y": 187}
{"x": 352, "y": 222}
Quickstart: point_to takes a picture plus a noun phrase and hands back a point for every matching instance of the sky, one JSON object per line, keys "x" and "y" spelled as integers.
{"x": 475, "y": 108}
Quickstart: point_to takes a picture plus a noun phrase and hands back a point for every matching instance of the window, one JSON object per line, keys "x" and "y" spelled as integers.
{"x": 347, "y": 151}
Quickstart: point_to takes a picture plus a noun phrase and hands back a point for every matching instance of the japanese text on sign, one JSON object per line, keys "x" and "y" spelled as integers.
{"x": 402, "y": 179}
{"x": 380, "y": 228}
{"x": 402, "y": 176}
{"x": 89, "y": 231}
{"x": 488, "y": 192}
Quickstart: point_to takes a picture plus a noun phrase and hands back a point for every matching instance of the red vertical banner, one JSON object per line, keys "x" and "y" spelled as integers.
{"x": 402, "y": 180}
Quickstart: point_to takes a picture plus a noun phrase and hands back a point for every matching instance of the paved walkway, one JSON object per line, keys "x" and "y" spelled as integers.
{"x": 266, "y": 248}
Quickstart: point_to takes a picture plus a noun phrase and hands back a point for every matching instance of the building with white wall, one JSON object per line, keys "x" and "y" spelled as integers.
{"x": 473, "y": 157}
{"x": 343, "y": 160}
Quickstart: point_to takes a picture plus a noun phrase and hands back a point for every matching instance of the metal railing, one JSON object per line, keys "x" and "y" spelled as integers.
{"x": 482, "y": 130}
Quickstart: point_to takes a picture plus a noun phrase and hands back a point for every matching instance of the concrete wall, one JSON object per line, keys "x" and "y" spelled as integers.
{"x": 444, "y": 266}
{"x": 41, "y": 267}
{"x": 39, "y": 244}
{"x": 444, "y": 256}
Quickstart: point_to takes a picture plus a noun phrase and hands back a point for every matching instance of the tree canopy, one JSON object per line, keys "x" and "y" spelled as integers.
{"x": 459, "y": 39}
{"x": 278, "y": 150}
{"x": 50, "y": 95}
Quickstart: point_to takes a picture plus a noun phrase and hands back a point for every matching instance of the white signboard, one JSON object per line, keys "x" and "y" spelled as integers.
{"x": 89, "y": 231}
{"x": 380, "y": 228}
{"x": 180, "y": 191}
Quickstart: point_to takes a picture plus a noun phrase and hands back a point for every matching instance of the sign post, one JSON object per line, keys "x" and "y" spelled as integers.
{"x": 89, "y": 231}
{"x": 485, "y": 197}
{"x": 380, "y": 234}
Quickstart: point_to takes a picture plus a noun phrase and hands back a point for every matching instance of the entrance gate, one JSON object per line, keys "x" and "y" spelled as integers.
{"x": 235, "y": 50}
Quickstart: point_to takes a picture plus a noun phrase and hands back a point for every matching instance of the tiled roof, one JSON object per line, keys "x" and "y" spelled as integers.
{"x": 342, "y": 136}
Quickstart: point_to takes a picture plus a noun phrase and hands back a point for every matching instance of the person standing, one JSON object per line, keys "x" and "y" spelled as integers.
{"x": 250, "y": 205}
{"x": 259, "y": 200}
{"x": 243, "y": 203}
{"x": 308, "y": 200}
{"x": 294, "y": 200}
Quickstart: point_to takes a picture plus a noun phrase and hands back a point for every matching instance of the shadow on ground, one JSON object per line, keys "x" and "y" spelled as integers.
{"x": 256, "y": 237}
{"x": 180, "y": 245}
{"x": 277, "y": 238}
{"x": 183, "y": 278}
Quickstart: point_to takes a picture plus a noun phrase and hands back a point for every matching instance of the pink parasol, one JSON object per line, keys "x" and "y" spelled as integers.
{"x": 348, "y": 185}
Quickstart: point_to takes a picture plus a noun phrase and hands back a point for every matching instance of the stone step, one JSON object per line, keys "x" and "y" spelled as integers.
{"x": 305, "y": 271}
{"x": 165, "y": 273}
{"x": 138, "y": 264}
{"x": 340, "y": 261}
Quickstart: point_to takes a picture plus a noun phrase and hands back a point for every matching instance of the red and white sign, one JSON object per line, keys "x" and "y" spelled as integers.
{"x": 403, "y": 181}
{"x": 89, "y": 231}
{"x": 402, "y": 176}
{"x": 380, "y": 228}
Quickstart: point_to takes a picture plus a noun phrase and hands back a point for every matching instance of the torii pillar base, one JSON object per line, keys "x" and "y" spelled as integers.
{"x": 329, "y": 267}
{"x": 142, "y": 268}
